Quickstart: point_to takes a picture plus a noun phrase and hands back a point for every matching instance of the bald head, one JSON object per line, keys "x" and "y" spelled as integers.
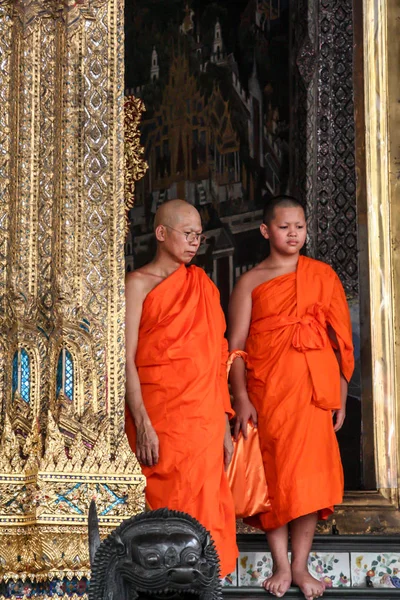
{"x": 282, "y": 201}
{"x": 173, "y": 212}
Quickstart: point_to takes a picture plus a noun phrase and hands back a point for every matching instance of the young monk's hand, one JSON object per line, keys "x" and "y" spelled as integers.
{"x": 245, "y": 412}
{"x": 147, "y": 445}
{"x": 339, "y": 417}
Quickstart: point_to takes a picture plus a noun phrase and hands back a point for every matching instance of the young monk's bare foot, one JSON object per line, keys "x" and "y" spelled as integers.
{"x": 311, "y": 587}
{"x": 279, "y": 582}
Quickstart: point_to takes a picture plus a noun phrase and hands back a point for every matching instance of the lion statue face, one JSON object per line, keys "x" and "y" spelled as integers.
{"x": 163, "y": 554}
{"x": 172, "y": 551}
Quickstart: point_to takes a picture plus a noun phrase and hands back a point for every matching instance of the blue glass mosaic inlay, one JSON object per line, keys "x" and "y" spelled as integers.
{"x": 25, "y": 390}
{"x": 65, "y": 366}
{"x": 69, "y": 376}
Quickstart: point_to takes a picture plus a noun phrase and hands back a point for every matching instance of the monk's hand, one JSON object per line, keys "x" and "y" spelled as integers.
{"x": 245, "y": 412}
{"x": 147, "y": 445}
{"x": 339, "y": 417}
{"x": 228, "y": 446}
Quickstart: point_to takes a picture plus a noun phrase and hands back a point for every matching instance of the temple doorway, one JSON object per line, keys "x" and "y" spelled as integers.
{"x": 245, "y": 100}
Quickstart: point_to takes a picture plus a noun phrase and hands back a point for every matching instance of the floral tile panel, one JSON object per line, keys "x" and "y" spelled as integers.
{"x": 254, "y": 568}
{"x": 331, "y": 568}
{"x": 382, "y": 568}
{"x": 230, "y": 580}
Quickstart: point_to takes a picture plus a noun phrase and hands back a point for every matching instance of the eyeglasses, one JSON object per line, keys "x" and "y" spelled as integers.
{"x": 191, "y": 236}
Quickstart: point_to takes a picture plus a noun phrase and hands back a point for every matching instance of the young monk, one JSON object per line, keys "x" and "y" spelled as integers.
{"x": 289, "y": 314}
{"x": 178, "y": 403}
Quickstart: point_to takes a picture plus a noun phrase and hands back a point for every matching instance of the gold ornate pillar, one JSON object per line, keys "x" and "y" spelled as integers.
{"x": 61, "y": 284}
{"x": 382, "y": 119}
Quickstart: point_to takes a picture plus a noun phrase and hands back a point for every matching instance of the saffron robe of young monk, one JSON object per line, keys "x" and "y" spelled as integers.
{"x": 293, "y": 380}
{"x": 181, "y": 361}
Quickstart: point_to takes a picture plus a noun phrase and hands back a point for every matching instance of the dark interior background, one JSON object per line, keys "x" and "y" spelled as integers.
{"x": 216, "y": 80}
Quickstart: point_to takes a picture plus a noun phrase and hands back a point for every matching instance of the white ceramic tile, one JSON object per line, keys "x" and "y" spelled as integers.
{"x": 383, "y": 568}
{"x": 331, "y": 568}
{"x": 254, "y": 568}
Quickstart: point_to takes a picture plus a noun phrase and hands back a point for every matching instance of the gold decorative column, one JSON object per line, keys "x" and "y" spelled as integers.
{"x": 62, "y": 225}
{"x": 382, "y": 119}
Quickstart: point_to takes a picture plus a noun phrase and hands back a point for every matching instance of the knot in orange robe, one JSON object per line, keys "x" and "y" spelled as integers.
{"x": 293, "y": 380}
{"x": 309, "y": 331}
{"x": 181, "y": 361}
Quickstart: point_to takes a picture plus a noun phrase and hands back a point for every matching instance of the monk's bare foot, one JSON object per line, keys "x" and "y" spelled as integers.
{"x": 311, "y": 587}
{"x": 279, "y": 582}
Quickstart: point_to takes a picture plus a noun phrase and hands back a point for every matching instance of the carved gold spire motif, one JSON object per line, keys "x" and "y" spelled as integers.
{"x": 135, "y": 166}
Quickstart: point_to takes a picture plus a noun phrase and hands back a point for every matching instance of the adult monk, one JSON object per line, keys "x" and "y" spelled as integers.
{"x": 290, "y": 319}
{"x": 178, "y": 403}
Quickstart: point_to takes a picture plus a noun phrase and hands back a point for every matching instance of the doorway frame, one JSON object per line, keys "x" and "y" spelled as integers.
{"x": 382, "y": 139}
{"x": 377, "y": 151}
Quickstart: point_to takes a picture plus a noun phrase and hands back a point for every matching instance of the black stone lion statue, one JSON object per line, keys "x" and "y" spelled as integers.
{"x": 161, "y": 554}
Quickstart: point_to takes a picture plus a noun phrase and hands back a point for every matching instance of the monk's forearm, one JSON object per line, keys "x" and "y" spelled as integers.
{"x": 138, "y": 411}
{"x": 223, "y": 383}
{"x": 134, "y": 398}
{"x": 344, "y": 386}
{"x": 137, "y": 408}
{"x": 238, "y": 380}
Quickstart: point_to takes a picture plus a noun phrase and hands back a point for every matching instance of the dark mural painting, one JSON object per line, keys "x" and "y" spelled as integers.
{"x": 220, "y": 83}
{"x": 214, "y": 78}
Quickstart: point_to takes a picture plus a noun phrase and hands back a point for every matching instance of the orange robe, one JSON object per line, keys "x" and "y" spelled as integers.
{"x": 293, "y": 380}
{"x": 181, "y": 360}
